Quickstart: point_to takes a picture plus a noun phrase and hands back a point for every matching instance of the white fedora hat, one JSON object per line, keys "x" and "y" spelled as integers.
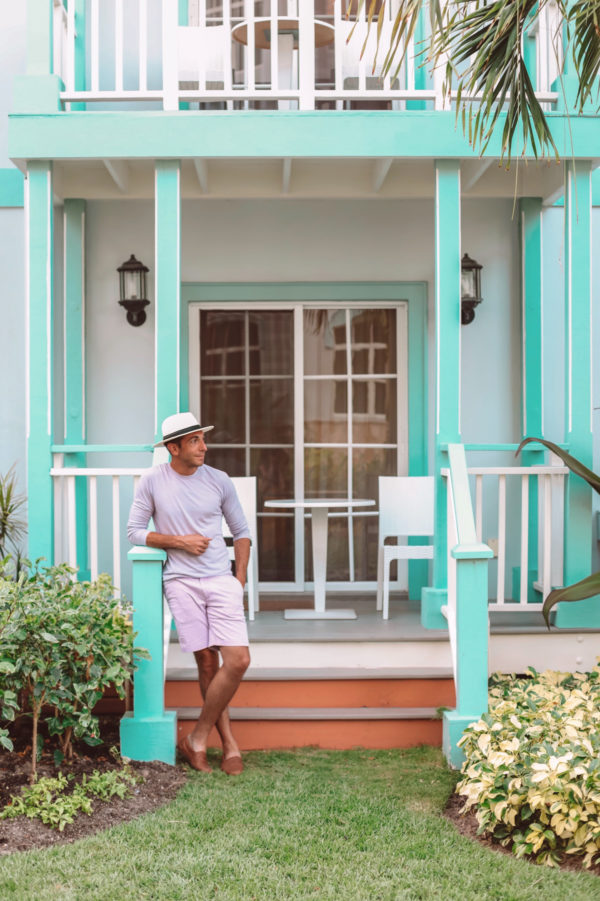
{"x": 178, "y": 425}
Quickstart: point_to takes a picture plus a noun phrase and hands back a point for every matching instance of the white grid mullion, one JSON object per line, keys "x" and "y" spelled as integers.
{"x": 299, "y": 442}
{"x": 350, "y": 467}
{"x": 247, "y": 390}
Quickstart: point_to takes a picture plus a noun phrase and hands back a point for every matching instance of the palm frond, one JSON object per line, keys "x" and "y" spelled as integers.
{"x": 584, "y": 34}
{"x": 586, "y": 588}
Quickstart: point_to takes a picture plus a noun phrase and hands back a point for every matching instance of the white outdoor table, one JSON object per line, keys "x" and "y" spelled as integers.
{"x": 287, "y": 42}
{"x": 320, "y": 511}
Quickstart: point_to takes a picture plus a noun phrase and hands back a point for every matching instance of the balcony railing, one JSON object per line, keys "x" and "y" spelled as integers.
{"x": 247, "y": 54}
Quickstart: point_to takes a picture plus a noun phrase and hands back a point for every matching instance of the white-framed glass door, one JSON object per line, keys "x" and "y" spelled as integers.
{"x": 312, "y": 399}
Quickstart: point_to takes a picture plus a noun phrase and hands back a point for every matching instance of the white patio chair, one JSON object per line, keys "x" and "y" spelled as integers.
{"x": 351, "y": 55}
{"x": 405, "y": 509}
{"x": 203, "y": 51}
{"x": 245, "y": 487}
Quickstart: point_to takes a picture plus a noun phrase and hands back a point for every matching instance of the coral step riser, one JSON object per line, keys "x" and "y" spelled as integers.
{"x": 339, "y": 735}
{"x": 332, "y": 693}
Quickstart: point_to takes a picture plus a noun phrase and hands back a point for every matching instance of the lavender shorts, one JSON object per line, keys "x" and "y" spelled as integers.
{"x": 208, "y": 612}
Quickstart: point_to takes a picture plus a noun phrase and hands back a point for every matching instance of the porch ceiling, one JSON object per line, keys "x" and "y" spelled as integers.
{"x": 385, "y": 178}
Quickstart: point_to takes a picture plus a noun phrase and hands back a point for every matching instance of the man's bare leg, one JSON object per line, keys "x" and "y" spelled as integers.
{"x": 207, "y": 661}
{"x": 220, "y": 691}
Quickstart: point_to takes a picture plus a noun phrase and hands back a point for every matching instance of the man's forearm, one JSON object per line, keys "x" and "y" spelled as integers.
{"x": 241, "y": 550}
{"x": 164, "y": 542}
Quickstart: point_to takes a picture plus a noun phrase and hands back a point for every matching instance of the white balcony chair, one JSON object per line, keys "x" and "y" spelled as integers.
{"x": 351, "y": 55}
{"x": 202, "y": 51}
{"x": 245, "y": 487}
{"x": 405, "y": 510}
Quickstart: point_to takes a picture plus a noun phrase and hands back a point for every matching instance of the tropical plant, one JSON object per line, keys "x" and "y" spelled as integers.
{"x": 480, "y": 44}
{"x": 590, "y": 586}
{"x": 532, "y": 768}
{"x": 62, "y": 643}
{"x": 12, "y": 525}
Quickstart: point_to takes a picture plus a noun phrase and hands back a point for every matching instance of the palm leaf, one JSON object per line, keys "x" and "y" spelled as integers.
{"x": 586, "y": 588}
{"x": 572, "y": 462}
{"x": 584, "y": 30}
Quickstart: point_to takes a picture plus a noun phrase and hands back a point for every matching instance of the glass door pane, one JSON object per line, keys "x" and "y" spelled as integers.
{"x": 247, "y": 391}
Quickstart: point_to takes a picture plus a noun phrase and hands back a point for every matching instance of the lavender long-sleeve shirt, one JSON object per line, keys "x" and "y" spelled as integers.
{"x": 187, "y": 505}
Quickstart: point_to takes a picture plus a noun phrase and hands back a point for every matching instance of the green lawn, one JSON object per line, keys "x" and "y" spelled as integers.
{"x": 306, "y": 824}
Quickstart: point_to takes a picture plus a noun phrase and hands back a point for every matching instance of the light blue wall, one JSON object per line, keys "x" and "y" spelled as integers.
{"x": 12, "y": 357}
{"x": 12, "y": 62}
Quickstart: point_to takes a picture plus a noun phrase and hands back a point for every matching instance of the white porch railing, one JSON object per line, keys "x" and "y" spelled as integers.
{"x": 228, "y": 55}
{"x": 109, "y": 492}
{"x": 550, "y": 516}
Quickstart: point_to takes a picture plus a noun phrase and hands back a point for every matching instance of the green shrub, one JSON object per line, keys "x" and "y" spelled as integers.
{"x": 62, "y": 643}
{"x": 55, "y": 802}
{"x": 532, "y": 768}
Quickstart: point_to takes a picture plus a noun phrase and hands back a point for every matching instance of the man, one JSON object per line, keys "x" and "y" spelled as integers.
{"x": 187, "y": 500}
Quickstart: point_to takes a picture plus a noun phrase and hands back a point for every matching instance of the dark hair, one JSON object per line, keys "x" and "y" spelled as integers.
{"x": 176, "y": 441}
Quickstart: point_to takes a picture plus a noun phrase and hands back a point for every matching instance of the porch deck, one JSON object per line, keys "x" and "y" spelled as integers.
{"x": 370, "y": 647}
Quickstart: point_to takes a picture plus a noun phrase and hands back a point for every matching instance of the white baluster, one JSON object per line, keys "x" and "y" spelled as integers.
{"x": 71, "y": 35}
{"x": 170, "y": 13}
{"x": 119, "y": 59}
{"x": 116, "y": 534}
{"x": 501, "y": 537}
{"x": 547, "y": 541}
{"x": 143, "y": 45}
{"x": 93, "y": 528}
{"x": 306, "y": 55}
{"x": 479, "y": 506}
{"x": 95, "y": 44}
{"x": 72, "y": 522}
{"x": 524, "y": 539}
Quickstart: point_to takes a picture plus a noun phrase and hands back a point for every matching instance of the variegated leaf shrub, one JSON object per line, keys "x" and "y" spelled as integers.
{"x": 532, "y": 768}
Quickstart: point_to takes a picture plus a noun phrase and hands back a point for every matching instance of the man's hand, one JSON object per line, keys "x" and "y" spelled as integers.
{"x": 194, "y": 544}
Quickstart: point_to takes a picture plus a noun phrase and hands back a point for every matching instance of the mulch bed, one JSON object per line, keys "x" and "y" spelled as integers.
{"x": 160, "y": 784}
{"x": 467, "y": 825}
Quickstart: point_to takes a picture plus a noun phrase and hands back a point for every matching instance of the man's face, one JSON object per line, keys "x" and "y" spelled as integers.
{"x": 191, "y": 450}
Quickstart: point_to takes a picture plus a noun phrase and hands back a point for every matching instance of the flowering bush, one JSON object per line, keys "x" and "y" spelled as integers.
{"x": 532, "y": 768}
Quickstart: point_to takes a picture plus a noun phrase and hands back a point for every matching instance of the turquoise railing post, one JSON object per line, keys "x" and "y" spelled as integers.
{"x": 149, "y": 733}
{"x": 471, "y": 621}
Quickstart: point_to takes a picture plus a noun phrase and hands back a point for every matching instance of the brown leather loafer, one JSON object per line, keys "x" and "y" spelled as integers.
{"x": 196, "y": 759}
{"x": 233, "y": 766}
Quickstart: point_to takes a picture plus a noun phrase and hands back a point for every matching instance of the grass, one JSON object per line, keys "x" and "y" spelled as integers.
{"x": 308, "y": 824}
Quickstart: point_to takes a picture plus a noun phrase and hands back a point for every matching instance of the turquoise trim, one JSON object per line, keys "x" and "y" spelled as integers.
{"x": 12, "y": 188}
{"x": 183, "y": 12}
{"x": 167, "y": 265}
{"x": 447, "y": 344}
{"x": 264, "y": 134}
{"x": 420, "y": 60}
{"x": 40, "y": 239}
{"x": 74, "y": 371}
{"x": 149, "y": 733}
{"x": 578, "y": 396}
{"x": 80, "y": 59}
{"x": 101, "y": 448}
{"x": 530, "y": 232}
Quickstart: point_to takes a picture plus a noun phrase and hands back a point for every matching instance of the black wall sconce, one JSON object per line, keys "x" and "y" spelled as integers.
{"x": 470, "y": 288}
{"x": 132, "y": 288}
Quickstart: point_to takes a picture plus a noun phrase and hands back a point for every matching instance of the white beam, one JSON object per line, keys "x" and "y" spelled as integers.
{"x": 201, "y": 167}
{"x": 380, "y": 171}
{"x": 119, "y": 172}
{"x": 483, "y": 166}
{"x": 556, "y": 194}
{"x": 287, "y": 174}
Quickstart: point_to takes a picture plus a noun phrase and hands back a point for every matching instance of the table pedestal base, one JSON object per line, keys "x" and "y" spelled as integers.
{"x": 319, "y": 614}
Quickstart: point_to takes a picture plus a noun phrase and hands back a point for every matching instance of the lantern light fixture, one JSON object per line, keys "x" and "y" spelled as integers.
{"x": 132, "y": 290}
{"x": 470, "y": 288}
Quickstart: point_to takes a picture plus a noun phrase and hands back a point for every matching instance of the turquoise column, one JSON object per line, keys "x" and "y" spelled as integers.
{"x": 530, "y": 221}
{"x": 168, "y": 289}
{"x": 80, "y": 67}
{"x": 40, "y": 409}
{"x": 447, "y": 368}
{"x": 472, "y": 618}
{"x": 578, "y": 400}
{"x": 74, "y": 351}
{"x": 149, "y": 732}
{"x": 420, "y": 62}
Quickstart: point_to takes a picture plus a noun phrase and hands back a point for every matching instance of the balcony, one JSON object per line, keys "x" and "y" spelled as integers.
{"x": 242, "y": 55}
